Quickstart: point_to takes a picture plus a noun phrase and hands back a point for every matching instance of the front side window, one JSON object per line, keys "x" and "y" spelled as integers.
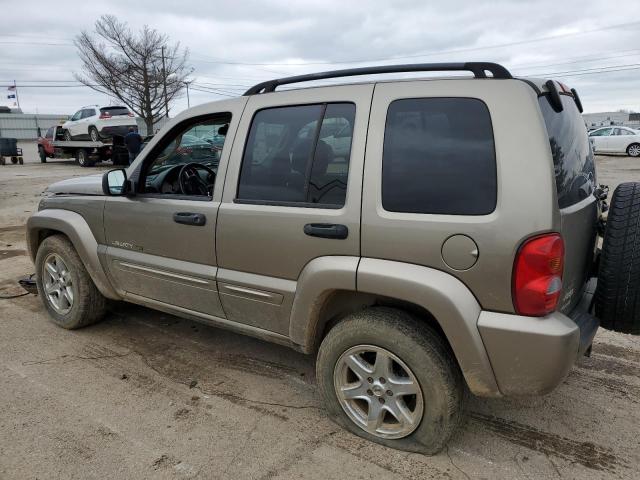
{"x": 187, "y": 162}
{"x": 49, "y": 133}
{"x": 298, "y": 154}
{"x": 77, "y": 115}
{"x": 439, "y": 157}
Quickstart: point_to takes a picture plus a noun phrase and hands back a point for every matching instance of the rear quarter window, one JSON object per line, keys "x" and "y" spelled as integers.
{"x": 439, "y": 157}
{"x": 572, "y": 156}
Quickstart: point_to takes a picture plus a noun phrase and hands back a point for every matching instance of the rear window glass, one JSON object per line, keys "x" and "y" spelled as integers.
{"x": 115, "y": 111}
{"x": 572, "y": 157}
{"x": 439, "y": 157}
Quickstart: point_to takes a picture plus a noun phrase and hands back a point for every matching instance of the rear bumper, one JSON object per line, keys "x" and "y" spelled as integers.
{"x": 533, "y": 355}
{"x": 122, "y": 130}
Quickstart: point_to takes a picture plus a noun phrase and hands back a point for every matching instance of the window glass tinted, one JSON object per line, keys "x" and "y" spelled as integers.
{"x": 298, "y": 154}
{"x": 115, "y": 111}
{"x": 439, "y": 157}
{"x": 572, "y": 156}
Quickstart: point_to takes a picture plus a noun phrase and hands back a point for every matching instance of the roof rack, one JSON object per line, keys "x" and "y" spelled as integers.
{"x": 479, "y": 70}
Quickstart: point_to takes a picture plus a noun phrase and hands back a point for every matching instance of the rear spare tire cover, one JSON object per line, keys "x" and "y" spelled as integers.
{"x": 618, "y": 294}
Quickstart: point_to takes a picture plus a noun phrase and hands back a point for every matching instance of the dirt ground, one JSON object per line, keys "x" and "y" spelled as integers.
{"x": 149, "y": 395}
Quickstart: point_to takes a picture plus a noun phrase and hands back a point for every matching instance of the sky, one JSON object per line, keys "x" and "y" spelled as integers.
{"x": 590, "y": 45}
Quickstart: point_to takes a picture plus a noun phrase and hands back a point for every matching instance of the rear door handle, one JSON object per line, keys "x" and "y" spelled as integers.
{"x": 326, "y": 230}
{"x": 188, "y": 218}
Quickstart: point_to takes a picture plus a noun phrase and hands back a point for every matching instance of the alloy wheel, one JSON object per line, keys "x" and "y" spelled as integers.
{"x": 378, "y": 391}
{"x": 634, "y": 150}
{"x": 58, "y": 284}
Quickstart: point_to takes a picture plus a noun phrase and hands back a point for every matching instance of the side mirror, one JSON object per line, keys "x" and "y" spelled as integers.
{"x": 114, "y": 182}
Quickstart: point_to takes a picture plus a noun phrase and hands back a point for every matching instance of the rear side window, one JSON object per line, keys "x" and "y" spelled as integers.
{"x": 298, "y": 154}
{"x": 439, "y": 157}
{"x": 115, "y": 111}
{"x": 572, "y": 157}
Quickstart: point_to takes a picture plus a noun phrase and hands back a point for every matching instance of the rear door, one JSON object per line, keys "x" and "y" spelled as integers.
{"x": 575, "y": 177}
{"x": 292, "y": 194}
{"x": 620, "y": 140}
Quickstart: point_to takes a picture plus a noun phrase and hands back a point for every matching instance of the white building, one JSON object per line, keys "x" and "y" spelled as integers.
{"x": 602, "y": 119}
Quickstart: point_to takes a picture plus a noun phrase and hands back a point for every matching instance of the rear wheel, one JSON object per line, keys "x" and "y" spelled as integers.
{"x": 633, "y": 150}
{"x": 389, "y": 378}
{"x": 65, "y": 287}
{"x": 82, "y": 157}
{"x": 618, "y": 293}
{"x": 93, "y": 134}
{"x": 42, "y": 154}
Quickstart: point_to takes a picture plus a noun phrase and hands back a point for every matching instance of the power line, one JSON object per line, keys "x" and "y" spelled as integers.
{"x": 427, "y": 54}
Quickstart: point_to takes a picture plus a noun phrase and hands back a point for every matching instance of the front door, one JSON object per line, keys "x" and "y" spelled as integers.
{"x": 292, "y": 195}
{"x": 161, "y": 242}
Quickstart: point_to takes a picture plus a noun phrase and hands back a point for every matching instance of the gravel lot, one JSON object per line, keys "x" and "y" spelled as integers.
{"x": 148, "y": 395}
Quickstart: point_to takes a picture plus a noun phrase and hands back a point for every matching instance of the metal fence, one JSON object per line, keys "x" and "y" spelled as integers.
{"x": 29, "y": 127}
{"x": 25, "y": 127}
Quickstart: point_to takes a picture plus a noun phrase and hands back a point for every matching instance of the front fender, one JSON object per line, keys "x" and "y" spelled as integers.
{"x": 449, "y": 301}
{"x": 74, "y": 226}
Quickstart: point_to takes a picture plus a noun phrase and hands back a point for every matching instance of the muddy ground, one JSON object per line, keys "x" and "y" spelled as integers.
{"x": 148, "y": 395}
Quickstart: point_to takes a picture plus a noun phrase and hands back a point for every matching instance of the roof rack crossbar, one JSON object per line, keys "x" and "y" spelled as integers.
{"x": 478, "y": 69}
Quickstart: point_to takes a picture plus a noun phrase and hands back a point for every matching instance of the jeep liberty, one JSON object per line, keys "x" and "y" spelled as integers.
{"x": 421, "y": 237}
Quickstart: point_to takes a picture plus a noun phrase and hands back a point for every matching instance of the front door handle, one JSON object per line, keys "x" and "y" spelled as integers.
{"x": 188, "y": 218}
{"x": 326, "y": 230}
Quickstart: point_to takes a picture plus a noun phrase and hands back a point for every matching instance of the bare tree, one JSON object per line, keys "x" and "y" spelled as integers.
{"x": 142, "y": 70}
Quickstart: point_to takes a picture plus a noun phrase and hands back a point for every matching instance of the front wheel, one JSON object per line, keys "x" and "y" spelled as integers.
{"x": 633, "y": 150}
{"x": 64, "y": 285}
{"x": 389, "y": 378}
{"x": 67, "y": 135}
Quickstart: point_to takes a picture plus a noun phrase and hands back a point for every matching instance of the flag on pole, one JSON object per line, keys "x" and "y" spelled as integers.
{"x": 12, "y": 95}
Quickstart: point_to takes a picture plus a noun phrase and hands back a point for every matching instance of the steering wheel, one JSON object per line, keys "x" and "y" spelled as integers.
{"x": 191, "y": 183}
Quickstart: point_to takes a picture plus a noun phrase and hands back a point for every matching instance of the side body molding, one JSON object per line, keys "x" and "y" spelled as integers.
{"x": 74, "y": 226}
{"x": 451, "y": 304}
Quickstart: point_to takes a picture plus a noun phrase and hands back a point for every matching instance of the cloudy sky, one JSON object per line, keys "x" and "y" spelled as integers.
{"x": 591, "y": 45}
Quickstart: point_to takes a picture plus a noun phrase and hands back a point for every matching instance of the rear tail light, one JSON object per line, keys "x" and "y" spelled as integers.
{"x": 104, "y": 116}
{"x": 130, "y": 114}
{"x": 537, "y": 275}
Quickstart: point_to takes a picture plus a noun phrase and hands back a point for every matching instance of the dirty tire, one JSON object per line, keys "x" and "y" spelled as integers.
{"x": 422, "y": 350}
{"x": 89, "y": 306}
{"x": 633, "y": 150}
{"x": 618, "y": 292}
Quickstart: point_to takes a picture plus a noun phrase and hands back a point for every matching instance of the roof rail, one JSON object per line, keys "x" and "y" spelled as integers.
{"x": 479, "y": 70}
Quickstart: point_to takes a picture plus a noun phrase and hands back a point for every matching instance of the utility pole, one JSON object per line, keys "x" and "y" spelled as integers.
{"x": 188, "y": 102}
{"x": 164, "y": 84}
